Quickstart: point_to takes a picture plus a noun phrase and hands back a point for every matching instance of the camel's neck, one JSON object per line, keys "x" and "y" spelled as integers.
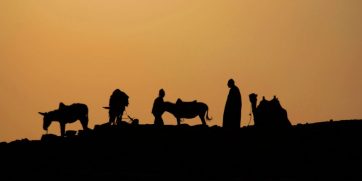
{"x": 253, "y": 108}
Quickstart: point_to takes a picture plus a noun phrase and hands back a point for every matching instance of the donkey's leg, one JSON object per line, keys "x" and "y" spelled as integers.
{"x": 62, "y": 129}
{"x": 202, "y": 117}
{"x": 84, "y": 122}
{"x": 178, "y": 121}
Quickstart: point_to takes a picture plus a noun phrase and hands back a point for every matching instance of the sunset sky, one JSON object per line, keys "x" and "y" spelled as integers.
{"x": 306, "y": 52}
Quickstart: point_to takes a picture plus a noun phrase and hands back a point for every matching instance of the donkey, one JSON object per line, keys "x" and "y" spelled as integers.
{"x": 188, "y": 110}
{"x": 66, "y": 114}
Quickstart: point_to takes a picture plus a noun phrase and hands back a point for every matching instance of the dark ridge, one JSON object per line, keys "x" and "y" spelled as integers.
{"x": 330, "y": 150}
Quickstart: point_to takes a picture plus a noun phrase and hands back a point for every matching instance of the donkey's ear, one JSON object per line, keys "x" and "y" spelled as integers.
{"x": 42, "y": 113}
{"x": 61, "y": 105}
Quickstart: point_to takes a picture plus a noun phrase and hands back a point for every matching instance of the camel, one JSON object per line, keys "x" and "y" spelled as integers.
{"x": 269, "y": 114}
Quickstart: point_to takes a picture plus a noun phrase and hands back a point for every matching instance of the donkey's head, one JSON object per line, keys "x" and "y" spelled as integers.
{"x": 47, "y": 119}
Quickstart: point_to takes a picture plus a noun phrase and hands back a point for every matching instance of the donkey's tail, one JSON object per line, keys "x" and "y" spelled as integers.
{"x": 207, "y": 114}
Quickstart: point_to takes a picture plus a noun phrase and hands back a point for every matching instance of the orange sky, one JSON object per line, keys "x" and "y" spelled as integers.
{"x": 306, "y": 52}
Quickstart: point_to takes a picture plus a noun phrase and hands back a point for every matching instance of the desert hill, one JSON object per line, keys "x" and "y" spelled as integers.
{"x": 320, "y": 151}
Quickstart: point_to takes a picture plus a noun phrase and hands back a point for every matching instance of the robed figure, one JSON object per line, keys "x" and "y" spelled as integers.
{"x": 232, "y": 112}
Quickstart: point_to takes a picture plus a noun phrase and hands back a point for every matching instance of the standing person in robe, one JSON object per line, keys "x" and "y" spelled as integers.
{"x": 232, "y": 112}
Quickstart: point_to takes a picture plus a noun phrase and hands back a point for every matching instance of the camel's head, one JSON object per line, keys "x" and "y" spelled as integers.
{"x": 253, "y": 98}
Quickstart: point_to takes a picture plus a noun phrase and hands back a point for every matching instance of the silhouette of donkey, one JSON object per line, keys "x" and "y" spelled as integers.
{"x": 187, "y": 110}
{"x": 66, "y": 114}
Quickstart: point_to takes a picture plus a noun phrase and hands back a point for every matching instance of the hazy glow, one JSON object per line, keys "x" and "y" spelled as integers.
{"x": 306, "y": 52}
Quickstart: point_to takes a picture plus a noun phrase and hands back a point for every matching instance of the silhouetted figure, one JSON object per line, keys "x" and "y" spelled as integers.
{"x": 66, "y": 114}
{"x": 117, "y": 104}
{"x": 232, "y": 112}
{"x": 188, "y": 110}
{"x": 269, "y": 114}
{"x": 158, "y": 108}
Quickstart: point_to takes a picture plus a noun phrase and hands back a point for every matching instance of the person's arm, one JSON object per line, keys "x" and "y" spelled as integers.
{"x": 154, "y": 107}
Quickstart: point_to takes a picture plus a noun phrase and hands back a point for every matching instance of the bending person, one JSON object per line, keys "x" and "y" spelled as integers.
{"x": 117, "y": 104}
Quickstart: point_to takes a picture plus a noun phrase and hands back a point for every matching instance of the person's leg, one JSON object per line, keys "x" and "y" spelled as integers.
{"x": 158, "y": 120}
{"x": 119, "y": 115}
{"x": 112, "y": 116}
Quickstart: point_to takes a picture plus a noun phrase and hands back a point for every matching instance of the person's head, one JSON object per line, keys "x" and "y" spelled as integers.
{"x": 231, "y": 83}
{"x": 161, "y": 93}
{"x": 117, "y": 91}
